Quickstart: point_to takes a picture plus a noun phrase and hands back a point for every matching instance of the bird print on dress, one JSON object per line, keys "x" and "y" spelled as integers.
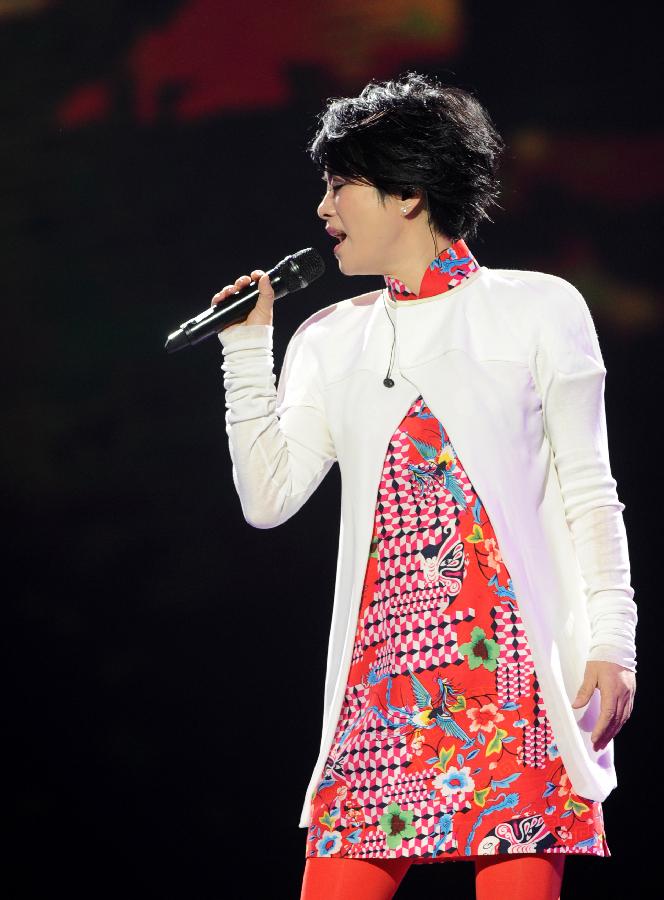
{"x": 438, "y": 464}
{"x": 424, "y": 714}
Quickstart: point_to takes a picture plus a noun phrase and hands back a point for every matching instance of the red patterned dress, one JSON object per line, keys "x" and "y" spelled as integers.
{"x": 443, "y": 749}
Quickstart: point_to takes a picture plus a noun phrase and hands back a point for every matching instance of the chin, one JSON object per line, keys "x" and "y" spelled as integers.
{"x": 347, "y": 268}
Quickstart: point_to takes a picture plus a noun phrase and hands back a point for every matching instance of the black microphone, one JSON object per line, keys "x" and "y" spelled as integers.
{"x": 290, "y": 274}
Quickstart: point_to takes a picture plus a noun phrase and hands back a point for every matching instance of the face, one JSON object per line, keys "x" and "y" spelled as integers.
{"x": 373, "y": 230}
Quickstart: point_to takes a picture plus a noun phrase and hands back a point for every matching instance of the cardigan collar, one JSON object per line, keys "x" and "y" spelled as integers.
{"x": 444, "y": 273}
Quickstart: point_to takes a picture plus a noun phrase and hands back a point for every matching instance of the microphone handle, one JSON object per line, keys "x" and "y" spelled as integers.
{"x": 231, "y": 311}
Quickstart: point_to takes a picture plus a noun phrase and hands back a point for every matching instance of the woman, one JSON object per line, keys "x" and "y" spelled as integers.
{"x": 481, "y": 656}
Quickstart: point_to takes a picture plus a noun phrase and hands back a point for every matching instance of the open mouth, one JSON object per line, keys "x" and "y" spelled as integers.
{"x": 341, "y": 237}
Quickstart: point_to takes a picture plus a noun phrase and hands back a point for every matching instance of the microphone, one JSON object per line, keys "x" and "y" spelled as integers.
{"x": 292, "y": 273}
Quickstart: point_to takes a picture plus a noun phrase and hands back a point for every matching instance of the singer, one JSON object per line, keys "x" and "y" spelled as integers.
{"x": 482, "y": 655}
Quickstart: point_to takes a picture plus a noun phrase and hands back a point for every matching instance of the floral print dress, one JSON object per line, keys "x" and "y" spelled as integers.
{"x": 443, "y": 749}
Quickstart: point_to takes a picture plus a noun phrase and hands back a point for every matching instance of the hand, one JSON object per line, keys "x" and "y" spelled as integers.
{"x": 617, "y": 687}
{"x": 261, "y": 314}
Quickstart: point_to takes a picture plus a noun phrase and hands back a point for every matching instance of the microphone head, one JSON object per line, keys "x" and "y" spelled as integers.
{"x": 299, "y": 269}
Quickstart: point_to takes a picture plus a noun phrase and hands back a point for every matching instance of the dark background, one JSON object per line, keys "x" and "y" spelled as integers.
{"x": 165, "y": 659}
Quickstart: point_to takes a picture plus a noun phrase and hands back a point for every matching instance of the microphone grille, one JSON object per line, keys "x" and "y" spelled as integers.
{"x": 301, "y": 268}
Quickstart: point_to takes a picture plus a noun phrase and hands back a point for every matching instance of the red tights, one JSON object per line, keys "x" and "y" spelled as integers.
{"x": 534, "y": 876}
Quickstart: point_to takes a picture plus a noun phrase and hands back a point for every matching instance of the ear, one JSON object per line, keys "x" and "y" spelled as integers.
{"x": 409, "y": 192}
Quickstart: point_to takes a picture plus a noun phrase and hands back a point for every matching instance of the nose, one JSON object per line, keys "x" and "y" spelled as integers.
{"x": 325, "y": 208}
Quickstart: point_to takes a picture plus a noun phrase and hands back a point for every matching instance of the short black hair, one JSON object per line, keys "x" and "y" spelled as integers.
{"x": 414, "y": 132}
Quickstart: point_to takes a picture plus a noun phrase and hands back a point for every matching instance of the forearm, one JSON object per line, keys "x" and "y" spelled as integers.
{"x": 600, "y": 542}
{"x": 570, "y": 376}
{"x": 576, "y": 425}
{"x": 277, "y": 461}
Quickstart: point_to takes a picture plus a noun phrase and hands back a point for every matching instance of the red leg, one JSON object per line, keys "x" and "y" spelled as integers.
{"x": 528, "y": 876}
{"x": 340, "y": 878}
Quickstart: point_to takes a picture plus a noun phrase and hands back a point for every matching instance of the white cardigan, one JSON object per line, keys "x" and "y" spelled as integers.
{"x": 510, "y": 363}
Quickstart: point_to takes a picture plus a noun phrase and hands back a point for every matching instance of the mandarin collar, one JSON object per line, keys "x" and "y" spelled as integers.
{"x": 445, "y": 272}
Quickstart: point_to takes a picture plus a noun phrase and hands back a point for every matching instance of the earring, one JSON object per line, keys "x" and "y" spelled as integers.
{"x": 404, "y": 210}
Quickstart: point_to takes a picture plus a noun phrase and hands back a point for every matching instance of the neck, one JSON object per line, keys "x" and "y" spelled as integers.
{"x": 414, "y": 258}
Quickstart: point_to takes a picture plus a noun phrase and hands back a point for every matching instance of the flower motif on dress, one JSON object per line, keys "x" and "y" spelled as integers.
{"x": 485, "y": 718}
{"x": 565, "y": 785}
{"x": 494, "y": 558}
{"x": 329, "y": 843}
{"x": 481, "y": 650}
{"x": 396, "y": 823}
{"x": 416, "y": 743}
{"x": 354, "y": 813}
{"x": 454, "y": 781}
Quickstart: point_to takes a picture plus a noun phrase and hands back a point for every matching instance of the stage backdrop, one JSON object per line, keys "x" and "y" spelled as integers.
{"x": 166, "y": 659}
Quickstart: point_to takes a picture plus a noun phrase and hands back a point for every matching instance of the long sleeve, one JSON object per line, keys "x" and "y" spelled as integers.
{"x": 571, "y": 372}
{"x": 279, "y": 441}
